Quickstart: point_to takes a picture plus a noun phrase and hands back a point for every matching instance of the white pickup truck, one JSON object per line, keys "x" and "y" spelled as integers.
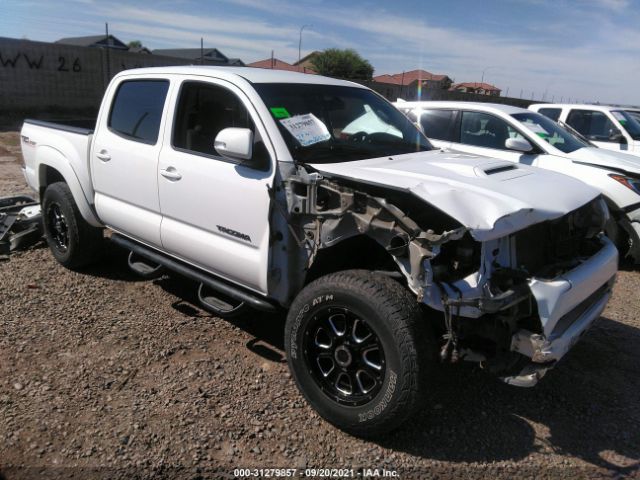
{"x": 388, "y": 254}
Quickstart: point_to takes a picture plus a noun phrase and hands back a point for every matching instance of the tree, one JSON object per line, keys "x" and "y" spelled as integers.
{"x": 135, "y": 44}
{"x": 347, "y": 64}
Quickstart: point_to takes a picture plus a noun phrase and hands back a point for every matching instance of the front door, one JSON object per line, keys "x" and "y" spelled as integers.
{"x": 599, "y": 128}
{"x": 486, "y": 134}
{"x": 124, "y": 159}
{"x": 215, "y": 211}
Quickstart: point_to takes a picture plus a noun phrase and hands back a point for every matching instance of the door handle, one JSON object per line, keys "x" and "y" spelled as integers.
{"x": 103, "y": 155}
{"x": 170, "y": 173}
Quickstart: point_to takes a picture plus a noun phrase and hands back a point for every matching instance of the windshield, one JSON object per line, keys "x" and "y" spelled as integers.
{"x": 630, "y": 121}
{"x": 331, "y": 124}
{"x": 635, "y": 114}
{"x": 550, "y": 131}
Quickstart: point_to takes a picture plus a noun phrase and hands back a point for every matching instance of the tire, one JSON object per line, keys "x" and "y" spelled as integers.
{"x": 72, "y": 241}
{"x": 330, "y": 316}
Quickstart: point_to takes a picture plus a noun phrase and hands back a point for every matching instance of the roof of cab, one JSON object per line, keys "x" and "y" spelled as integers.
{"x": 253, "y": 75}
{"x": 480, "y": 106}
{"x": 580, "y": 106}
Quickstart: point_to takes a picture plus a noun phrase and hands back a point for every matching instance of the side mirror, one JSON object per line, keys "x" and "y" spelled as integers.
{"x": 616, "y": 136}
{"x": 518, "y": 144}
{"x": 234, "y": 143}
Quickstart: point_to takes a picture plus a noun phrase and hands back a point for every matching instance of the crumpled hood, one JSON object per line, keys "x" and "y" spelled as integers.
{"x": 607, "y": 158}
{"x": 492, "y": 198}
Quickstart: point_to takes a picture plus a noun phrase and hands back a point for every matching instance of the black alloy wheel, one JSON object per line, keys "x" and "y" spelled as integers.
{"x": 58, "y": 227}
{"x": 345, "y": 356}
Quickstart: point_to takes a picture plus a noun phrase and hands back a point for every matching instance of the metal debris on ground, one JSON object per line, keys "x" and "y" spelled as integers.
{"x": 20, "y": 223}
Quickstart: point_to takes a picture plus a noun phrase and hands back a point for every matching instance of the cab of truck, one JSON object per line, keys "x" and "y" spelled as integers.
{"x": 608, "y": 127}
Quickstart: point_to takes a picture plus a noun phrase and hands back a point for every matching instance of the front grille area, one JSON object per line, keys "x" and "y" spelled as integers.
{"x": 551, "y": 248}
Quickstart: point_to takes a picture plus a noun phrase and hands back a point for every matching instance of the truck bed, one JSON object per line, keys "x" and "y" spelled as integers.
{"x": 84, "y": 126}
{"x": 61, "y": 146}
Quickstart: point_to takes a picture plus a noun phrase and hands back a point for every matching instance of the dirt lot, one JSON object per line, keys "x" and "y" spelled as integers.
{"x": 105, "y": 375}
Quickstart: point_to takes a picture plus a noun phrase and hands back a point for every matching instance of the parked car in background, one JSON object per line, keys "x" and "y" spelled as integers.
{"x": 634, "y": 112}
{"x": 611, "y": 128}
{"x": 526, "y": 137}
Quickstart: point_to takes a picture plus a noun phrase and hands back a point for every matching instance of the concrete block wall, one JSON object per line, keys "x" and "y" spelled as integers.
{"x": 40, "y": 77}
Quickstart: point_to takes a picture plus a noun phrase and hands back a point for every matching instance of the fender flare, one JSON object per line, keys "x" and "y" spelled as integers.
{"x": 50, "y": 157}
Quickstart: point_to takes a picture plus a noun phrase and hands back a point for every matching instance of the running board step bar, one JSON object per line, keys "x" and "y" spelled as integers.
{"x": 225, "y": 288}
{"x": 220, "y": 304}
{"x": 143, "y": 267}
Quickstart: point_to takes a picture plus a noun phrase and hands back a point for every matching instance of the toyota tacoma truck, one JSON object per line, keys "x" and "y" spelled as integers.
{"x": 388, "y": 255}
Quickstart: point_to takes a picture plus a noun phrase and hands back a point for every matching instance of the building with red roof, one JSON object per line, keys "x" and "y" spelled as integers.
{"x": 409, "y": 84}
{"x": 480, "y": 88}
{"x": 277, "y": 64}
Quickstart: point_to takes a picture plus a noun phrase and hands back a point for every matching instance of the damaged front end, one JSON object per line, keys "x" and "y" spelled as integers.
{"x": 535, "y": 293}
{"x": 516, "y": 303}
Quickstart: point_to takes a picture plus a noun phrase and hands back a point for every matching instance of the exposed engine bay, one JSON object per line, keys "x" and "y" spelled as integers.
{"x": 484, "y": 289}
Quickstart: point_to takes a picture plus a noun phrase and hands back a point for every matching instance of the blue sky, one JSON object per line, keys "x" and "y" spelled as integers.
{"x": 586, "y": 50}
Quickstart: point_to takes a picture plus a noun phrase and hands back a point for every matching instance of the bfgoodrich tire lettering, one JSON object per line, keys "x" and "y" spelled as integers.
{"x": 376, "y": 311}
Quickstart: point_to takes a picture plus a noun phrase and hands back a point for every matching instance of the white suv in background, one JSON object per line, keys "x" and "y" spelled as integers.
{"x": 522, "y": 136}
{"x": 612, "y": 128}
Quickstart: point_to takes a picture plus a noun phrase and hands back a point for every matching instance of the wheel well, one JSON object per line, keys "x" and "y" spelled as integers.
{"x": 359, "y": 252}
{"x": 613, "y": 208}
{"x": 48, "y": 175}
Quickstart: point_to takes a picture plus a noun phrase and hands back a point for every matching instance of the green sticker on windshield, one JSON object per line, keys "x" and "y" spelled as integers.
{"x": 280, "y": 112}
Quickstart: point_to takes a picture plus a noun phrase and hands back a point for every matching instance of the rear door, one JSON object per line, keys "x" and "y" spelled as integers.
{"x": 215, "y": 211}
{"x": 485, "y": 134}
{"x": 597, "y": 127}
{"x": 439, "y": 126}
{"x": 124, "y": 158}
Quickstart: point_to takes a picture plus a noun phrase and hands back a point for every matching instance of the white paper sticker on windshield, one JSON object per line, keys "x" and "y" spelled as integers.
{"x": 537, "y": 129}
{"x": 306, "y": 129}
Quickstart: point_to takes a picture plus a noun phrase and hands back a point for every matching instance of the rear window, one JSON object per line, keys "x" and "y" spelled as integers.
{"x": 552, "y": 113}
{"x": 136, "y": 111}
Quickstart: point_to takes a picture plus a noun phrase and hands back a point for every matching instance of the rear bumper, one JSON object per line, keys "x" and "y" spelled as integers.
{"x": 567, "y": 305}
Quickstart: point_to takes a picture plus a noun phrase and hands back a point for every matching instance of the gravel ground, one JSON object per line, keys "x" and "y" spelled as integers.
{"x": 105, "y": 375}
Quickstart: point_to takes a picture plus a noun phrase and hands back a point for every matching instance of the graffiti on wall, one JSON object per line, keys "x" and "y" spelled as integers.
{"x": 62, "y": 64}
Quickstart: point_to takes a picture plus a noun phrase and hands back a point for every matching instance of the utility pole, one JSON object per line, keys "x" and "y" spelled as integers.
{"x": 106, "y": 30}
{"x": 300, "y": 41}
{"x": 201, "y": 51}
{"x": 485, "y": 69}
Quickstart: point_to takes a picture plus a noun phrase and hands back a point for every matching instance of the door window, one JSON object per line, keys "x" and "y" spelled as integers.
{"x": 552, "y": 113}
{"x": 592, "y": 124}
{"x": 438, "y": 124}
{"x": 137, "y": 109}
{"x": 485, "y": 130}
{"x": 203, "y": 110}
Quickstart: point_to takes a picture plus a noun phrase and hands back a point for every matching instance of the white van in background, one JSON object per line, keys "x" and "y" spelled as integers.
{"x": 612, "y": 128}
{"x": 522, "y": 136}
